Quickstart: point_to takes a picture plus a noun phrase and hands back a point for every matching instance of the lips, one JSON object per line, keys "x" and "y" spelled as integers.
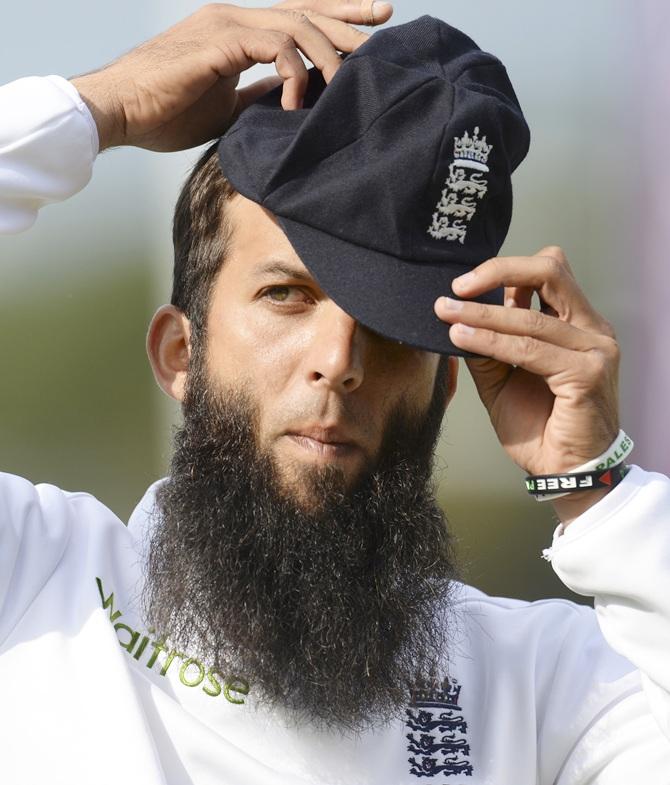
{"x": 329, "y": 442}
{"x": 325, "y": 435}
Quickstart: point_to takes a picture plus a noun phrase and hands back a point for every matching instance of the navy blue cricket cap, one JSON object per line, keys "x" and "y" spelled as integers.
{"x": 393, "y": 179}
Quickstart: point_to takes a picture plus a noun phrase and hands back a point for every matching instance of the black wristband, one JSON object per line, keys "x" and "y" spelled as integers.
{"x": 547, "y": 484}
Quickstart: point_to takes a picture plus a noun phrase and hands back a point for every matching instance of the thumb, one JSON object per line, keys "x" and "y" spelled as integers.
{"x": 489, "y": 377}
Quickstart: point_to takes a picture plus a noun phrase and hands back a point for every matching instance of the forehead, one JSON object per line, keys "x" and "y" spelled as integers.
{"x": 258, "y": 245}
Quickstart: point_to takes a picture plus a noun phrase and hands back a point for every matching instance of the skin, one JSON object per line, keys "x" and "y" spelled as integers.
{"x": 551, "y": 383}
{"x": 306, "y": 360}
{"x": 550, "y": 386}
{"x": 178, "y": 90}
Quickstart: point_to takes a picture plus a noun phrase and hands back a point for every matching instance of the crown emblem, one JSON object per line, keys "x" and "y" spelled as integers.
{"x": 471, "y": 151}
{"x": 438, "y": 694}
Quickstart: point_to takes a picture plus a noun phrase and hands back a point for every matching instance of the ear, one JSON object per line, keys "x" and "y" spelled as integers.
{"x": 452, "y": 379}
{"x": 169, "y": 350}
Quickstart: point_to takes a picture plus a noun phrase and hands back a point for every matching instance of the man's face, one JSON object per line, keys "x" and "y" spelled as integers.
{"x": 324, "y": 384}
{"x": 291, "y": 558}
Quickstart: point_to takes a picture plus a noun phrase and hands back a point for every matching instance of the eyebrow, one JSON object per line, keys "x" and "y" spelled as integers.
{"x": 279, "y": 268}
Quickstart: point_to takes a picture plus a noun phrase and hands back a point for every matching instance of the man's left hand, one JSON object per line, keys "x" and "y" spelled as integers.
{"x": 551, "y": 383}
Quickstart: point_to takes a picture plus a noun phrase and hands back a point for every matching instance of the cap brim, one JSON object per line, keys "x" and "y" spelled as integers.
{"x": 390, "y": 296}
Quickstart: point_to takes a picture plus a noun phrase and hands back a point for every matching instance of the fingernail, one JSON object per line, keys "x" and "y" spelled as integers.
{"x": 463, "y": 281}
{"x": 451, "y": 305}
{"x": 510, "y": 302}
{"x": 380, "y": 8}
{"x": 463, "y": 329}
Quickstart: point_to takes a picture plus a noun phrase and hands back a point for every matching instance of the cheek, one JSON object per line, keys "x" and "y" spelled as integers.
{"x": 250, "y": 345}
{"x": 410, "y": 372}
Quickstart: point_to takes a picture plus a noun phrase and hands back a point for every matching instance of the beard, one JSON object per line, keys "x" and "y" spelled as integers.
{"x": 329, "y": 610}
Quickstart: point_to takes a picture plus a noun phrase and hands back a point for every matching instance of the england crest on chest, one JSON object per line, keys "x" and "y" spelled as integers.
{"x": 437, "y": 741}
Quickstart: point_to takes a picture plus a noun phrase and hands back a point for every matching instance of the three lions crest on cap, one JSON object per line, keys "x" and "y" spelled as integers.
{"x": 462, "y": 188}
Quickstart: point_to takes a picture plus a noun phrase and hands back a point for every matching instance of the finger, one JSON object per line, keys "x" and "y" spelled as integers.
{"x": 545, "y": 308}
{"x": 292, "y": 70}
{"x": 267, "y": 46}
{"x": 365, "y": 12}
{"x": 557, "y": 253}
{"x": 344, "y": 37}
{"x": 518, "y": 296}
{"x": 547, "y": 275}
{"x": 251, "y": 93}
{"x": 312, "y": 41}
{"x": 518, "y": 321}
{"x": 531, "y": 354}
{"x": 491, "y": 376}
{"x": 307, "y": 37}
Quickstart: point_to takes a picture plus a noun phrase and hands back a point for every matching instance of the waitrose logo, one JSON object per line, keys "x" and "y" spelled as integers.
{"x": 192, "y": 673}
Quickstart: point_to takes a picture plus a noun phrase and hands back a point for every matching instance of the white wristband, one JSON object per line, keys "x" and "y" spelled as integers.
{"x": 615, "y": 454}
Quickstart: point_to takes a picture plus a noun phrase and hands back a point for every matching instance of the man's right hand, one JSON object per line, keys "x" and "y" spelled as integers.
{"x": 178, "y": 90}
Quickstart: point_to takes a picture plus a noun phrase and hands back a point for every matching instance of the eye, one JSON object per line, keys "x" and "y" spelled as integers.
{"x": 282, "y": 294}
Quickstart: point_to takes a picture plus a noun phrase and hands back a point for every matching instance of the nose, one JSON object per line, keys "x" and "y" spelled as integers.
{"x": 337, "y": 352}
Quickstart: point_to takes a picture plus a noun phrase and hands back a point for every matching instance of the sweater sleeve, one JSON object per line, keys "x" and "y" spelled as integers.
{"x": 35, "y": 524}
{"x": 48, "y": 143}
{"x": 619, "y": 553}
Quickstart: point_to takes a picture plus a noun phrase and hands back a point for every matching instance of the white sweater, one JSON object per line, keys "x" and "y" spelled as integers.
{"x": 537, "y": 693}
{"x": 48, "y": 142}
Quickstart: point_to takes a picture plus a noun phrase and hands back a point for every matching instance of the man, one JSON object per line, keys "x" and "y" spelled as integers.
{"x": 284, "y": 607}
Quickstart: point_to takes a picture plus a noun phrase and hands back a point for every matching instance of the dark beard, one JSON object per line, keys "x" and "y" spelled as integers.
{"x": 331, "y": 611}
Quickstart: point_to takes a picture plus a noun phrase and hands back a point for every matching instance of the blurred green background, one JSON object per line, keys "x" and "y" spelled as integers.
{"x": 79, "y": 405}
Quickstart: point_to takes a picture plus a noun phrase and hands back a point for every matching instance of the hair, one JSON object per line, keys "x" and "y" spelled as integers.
{"x": 201, "y": 233}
